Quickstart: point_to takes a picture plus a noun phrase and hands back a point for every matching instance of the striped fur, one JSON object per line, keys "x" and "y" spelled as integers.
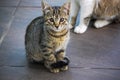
{"x": 47, "y": 36}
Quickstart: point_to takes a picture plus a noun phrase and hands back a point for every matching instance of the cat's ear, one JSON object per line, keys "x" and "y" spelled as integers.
{"x": 66, "y": 7}
{"x": 45, "y": 7}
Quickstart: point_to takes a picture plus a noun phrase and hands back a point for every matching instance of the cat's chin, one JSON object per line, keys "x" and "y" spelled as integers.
{"x": 57, "y": 30}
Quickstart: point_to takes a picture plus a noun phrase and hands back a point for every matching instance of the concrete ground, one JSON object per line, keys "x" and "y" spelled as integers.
{"x": 94, "y": 55}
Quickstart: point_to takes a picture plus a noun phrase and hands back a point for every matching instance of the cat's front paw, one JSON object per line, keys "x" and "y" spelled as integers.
{"x": 55, "y": 70}
{"x": 60, "y": 65}
{"x": 80, "y": 29}
{"x": 101, "y": 23}
{"x": 64, "y": 68}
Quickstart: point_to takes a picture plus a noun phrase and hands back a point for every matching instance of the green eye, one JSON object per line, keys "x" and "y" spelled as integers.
{"x": 51, "y": 19}
{"x": 62, "y": 19}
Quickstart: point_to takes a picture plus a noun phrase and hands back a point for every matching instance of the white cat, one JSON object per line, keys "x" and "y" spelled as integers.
{"x": 105, "y": 11}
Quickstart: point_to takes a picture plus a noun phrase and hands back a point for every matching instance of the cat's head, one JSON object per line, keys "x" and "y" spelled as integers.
{"x": 56, "y": 18}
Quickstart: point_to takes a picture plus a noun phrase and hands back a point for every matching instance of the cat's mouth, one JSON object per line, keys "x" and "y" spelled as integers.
{"x": 57, "y": 29}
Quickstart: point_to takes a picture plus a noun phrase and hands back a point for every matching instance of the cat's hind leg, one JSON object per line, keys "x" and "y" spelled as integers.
{"x": 101, "y": 23}
{"x": 34, "y": 58}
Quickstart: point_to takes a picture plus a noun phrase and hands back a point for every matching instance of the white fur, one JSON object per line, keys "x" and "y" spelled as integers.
{"x": 101, "y": 23}
{"x": 80, "y": 29}
{"x": 86, "y": 9}
{"x": 75, "y": 5}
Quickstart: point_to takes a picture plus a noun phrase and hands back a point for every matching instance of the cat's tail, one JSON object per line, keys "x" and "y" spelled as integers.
{"x": 67, "y": 61}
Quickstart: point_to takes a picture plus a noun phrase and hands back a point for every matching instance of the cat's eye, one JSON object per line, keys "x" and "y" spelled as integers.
{"x": 51, "y": 20}
{"x": 62, "y": 19}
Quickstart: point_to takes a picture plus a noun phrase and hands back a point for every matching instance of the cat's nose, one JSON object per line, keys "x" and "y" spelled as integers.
{"x": 57, "y": 27}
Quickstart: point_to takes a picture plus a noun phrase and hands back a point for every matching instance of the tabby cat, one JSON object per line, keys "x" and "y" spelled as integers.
{"x": 104, "y": 11}
{"x": 47, "y": 37}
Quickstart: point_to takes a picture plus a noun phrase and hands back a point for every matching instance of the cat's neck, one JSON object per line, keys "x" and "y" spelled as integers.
{"x": 55, "y": 34}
